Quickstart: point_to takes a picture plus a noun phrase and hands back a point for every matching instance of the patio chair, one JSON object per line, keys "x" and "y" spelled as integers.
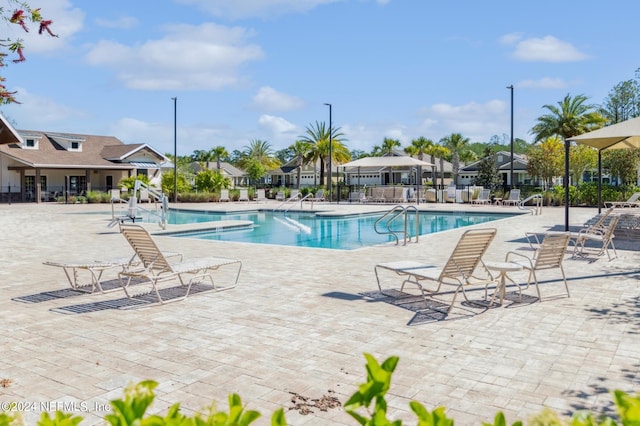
{"x": 549, "y": 256}
{"x": 631, "y": 202}
{"x": 514, "y": 198}
{"x": 244, "y": 195}
{"x": 377, "y": 195}
{"x": 357, "y": 197}
{"x": 224, "y": 195}
{"x": 154, "y": 267}
{"x": 260, "y": 196}
{"x": 597, "y": 223}
{"x": 483, "y": 198}
{"x": 459, "y": 270}
{"x": 318, "y": 196}
{"x": 280, "y": 196}
{"x": 451, "y": 194}
{"x": 295, "y": 194}
{"x": 602, "y": 237}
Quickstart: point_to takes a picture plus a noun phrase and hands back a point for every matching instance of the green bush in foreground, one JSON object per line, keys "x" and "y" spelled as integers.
{"x": 367, "y": 406}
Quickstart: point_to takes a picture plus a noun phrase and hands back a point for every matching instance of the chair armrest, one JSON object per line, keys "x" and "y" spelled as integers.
{"x": 513, "y": 253}
{"x": 532, "y": 236}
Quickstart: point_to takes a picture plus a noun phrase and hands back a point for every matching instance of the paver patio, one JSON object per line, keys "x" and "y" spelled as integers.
{"x": 299, "y": 322}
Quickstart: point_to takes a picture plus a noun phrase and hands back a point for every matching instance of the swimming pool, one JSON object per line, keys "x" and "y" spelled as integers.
{"x": 328, "y": 232}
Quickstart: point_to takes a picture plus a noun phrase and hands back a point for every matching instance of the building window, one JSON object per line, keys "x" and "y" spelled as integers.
{"x": 77, "y": 184}
{"x": 75, "y": 146}
{"x": 30, "y": 143}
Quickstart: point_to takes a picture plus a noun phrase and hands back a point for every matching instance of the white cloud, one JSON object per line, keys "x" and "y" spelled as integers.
{"x": 277, "y": 125}
{"x": 478, "y": 122}
{"x": 252, "y": 8}
{"x": 41, "y": 113}
{"x": 547, "y": 49}
{"x": 269, "y": 99}
{"x": 510, "y": 39}
{"x": 123, "y": 22}
{"x": 204, "y": 57}
{"x": 544, "y": 83}
{"x": 67, "y": 21}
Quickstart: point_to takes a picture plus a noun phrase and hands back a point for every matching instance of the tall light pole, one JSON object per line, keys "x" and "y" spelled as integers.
{"x": 175, "y": 150}
{"x": 330, "y": 153}
{"x": 511, "y": 169}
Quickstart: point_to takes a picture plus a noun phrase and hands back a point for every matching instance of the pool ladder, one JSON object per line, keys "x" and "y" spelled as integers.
{"x": 398, "y": 212}
{"x": 293, "y": 201}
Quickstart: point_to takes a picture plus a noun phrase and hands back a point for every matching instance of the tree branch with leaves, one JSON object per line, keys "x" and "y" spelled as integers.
{"x": 21, "y": 14}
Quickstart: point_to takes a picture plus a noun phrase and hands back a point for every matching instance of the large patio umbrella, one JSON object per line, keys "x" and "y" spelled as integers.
{"x": 617, "y": 136}
{"x": 390, "y": 161}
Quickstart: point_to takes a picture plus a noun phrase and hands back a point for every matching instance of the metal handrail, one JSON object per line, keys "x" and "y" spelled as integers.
{"x": 393, "y": 214}
{"x": 536, "y": 209}
{"x": 295, "y": 199}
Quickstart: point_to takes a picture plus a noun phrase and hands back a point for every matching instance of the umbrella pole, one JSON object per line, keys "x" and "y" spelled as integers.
{"x": 566, "y": 185}
{"x": 599, "y": 181}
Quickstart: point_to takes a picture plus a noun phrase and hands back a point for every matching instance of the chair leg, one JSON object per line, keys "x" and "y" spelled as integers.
{"x": 564, "y": 278}
{"x": 535, "y": 281}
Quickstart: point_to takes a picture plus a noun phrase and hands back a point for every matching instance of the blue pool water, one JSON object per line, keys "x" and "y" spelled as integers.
{"x": 309, "y": 230}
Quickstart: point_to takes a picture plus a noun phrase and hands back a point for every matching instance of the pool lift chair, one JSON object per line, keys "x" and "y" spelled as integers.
{"x": 134, "y": 209}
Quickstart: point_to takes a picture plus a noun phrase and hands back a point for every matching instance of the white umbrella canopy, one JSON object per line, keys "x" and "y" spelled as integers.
{"x": 617, "y": 136}
{"x": 396, "y": 161}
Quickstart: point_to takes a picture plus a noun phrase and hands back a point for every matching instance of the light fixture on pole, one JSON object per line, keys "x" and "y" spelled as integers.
{"x": 175, "y": 150}
{"x": 330, "y": 153}
{"x": 511, "y": 169}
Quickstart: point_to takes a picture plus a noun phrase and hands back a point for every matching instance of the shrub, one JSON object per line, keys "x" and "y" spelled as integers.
{"x": 367, "y": 406}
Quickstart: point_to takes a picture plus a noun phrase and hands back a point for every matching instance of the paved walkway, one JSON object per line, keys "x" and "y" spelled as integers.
{"x": 299, "y": 322}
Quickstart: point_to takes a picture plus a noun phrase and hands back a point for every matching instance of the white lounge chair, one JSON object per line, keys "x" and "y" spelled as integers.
{"x": 244, "y": 195}
{"x": 318, "y": 196}
{"x": 452, "y": 193}
{"x": 224, "y": 195}
{"x": 483, "y": 198}
{"x": 154, "y": 267}
{"x": 631, "y": 202}
{"x": 280, "y": 196}
{"x": 514, "y": 198}
{"x": 459, "y": 271}
{"x": 260, "y": 196}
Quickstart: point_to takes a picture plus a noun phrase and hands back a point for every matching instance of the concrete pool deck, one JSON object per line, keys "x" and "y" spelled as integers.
{"x": 300, "y": 320}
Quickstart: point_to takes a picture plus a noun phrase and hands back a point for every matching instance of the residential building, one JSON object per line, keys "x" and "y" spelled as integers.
{"x": 469, "y": 173}
{"x": 40, "y": 166}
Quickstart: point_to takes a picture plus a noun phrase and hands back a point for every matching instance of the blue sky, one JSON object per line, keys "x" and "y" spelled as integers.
{"x": 263, "y": 69}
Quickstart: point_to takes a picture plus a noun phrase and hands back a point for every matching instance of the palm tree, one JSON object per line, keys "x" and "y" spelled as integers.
{"x": 411, "y": 150}
{"x": 387, "y": 148}
{"x": 318, "y": 136}
{"x": 456, "y": 143}
{"x": 218, "y": 152}
{"x": 441, "y": 152}
{"x": 301, "y": 151}
{"x": 202, "y": 157}
{"x": 421, "y": 145}
{"x": 258, "y": 155}
{"x": 570, "y": 118}
{"x": 432, "y": 152}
